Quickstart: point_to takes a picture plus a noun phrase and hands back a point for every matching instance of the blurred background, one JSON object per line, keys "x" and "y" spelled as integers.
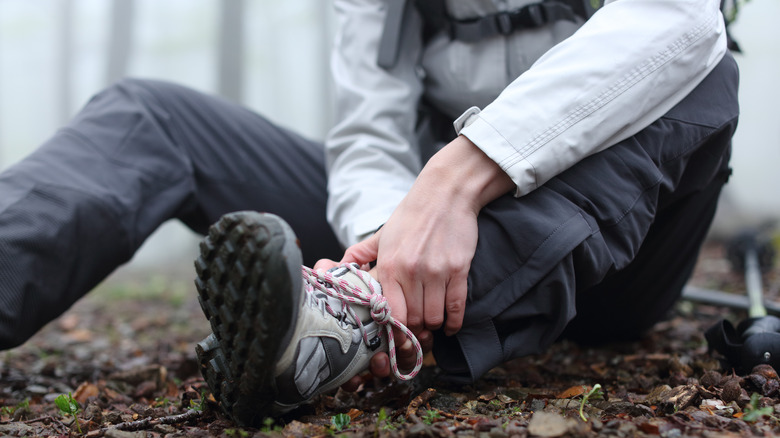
{"x": 272, "y": 56}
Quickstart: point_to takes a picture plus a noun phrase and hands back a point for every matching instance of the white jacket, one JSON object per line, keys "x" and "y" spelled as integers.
{"x": 549, "y": 96}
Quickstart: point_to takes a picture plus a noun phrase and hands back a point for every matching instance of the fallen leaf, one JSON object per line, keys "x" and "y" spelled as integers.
{"x": 77, "y": 336}
{"x": 572, "y": 392}
{"x": 68, "y": 322}
{"x": 487, "y": 397}
{"x": 297, "y": 428}
{"x": 547, "y": 424}
{"x": 85, "y": 391}
{"x": 650, "y": 428}
{"x": 505, "y": 399}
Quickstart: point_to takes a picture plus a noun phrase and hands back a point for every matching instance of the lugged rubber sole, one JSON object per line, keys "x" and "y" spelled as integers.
{"x": 249, "y": 286}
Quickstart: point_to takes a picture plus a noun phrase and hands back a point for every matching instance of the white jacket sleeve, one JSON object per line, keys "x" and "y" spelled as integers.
{"x": 623, "y": 69}
{"x": 372, "y": 154}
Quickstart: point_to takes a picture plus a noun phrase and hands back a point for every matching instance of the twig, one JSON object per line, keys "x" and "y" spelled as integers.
{"x": 148, "y": 422}
{"x": 419, "y": 401}
{"x": 180, "y": 418}
{"x": 46, "y": 417}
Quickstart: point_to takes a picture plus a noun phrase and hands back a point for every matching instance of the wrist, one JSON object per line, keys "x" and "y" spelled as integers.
{"x": 464, "y": 173}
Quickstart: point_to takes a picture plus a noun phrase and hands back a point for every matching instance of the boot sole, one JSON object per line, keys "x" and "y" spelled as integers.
{"x": 249, "y": 286}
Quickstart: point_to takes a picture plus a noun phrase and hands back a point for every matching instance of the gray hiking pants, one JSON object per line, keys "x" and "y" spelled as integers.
{"x": 604, "y": 248}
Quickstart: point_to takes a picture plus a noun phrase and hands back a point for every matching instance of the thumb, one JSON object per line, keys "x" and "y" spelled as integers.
{"x": 324, "y": 265}
{"x": 363, "y": 252}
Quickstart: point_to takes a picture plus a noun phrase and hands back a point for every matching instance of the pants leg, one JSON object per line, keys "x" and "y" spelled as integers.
{"x": 630, "y": 301}
{"x": 138, "y": 154}
{"x": 624, "y": 225}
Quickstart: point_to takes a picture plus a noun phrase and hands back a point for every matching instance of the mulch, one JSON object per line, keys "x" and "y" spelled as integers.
{"x": 126, "y": 361}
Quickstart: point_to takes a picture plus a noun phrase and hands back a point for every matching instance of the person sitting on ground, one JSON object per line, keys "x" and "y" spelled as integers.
{"x": 570, "y": 199}
{"x": 573, "y": 204}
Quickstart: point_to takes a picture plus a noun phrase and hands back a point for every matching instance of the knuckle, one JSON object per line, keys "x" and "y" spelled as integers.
{"x": 434, "y": 321}
{"x": 411, "y": 266}
{"x": 414, "y": 322}
{"x": 455, "y": 306}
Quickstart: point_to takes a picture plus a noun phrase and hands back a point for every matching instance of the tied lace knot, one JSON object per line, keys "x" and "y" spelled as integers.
{"x": 380, "y": 311}
{"x": 350, "y": 294}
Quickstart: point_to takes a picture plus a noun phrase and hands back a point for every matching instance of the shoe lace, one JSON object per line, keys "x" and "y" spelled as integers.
{"x": 350, "y": 294}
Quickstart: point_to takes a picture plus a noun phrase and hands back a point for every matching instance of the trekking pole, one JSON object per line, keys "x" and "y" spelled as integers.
{"x": 755, "y": 340}
{"x": 761, "y": 334}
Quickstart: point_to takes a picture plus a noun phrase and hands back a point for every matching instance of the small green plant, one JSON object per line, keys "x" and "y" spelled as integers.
{"x": 200, "y": 404}
{"x": 10, "y": 410}
{"x": 594, "y": 392}
{"x": 382, "y": 416}
{"x": 340, "y": 421}
{"x": 269, "y": 426}
{"x": 430, "y": 416}
{"x": 69, "y": 406}
{"x": 237, "y": 432}
{"x": 196, "y": 404}
{"x": 161, "y": 402}
{"x": 752, "y": 412}
{"x": 383, "y": 422}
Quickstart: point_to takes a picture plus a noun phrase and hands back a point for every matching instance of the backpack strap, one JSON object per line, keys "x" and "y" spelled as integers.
{"x": 391, "y": 33}
{"x": 434, "y": 14}
{"x": 504, "y": 23}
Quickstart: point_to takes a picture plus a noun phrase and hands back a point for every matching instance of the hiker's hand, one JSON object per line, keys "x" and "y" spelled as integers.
{"x": 421, "y": 267}
{"x": 324, "y": 265}
{"x": 423, "y": 252}
{"x": 380, "y": 362}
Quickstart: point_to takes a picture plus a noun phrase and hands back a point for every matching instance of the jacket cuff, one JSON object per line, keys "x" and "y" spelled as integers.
{"x": 494, "y": 145}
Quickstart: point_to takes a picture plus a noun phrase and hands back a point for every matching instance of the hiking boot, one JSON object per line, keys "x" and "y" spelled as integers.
{"x": 283, "y": 333}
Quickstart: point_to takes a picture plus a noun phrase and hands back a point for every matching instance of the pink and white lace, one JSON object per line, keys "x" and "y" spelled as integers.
{"x": 346, "y": 292}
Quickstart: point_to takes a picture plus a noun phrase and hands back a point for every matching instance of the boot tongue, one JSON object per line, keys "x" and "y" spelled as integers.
{"x": 345, "y": 274}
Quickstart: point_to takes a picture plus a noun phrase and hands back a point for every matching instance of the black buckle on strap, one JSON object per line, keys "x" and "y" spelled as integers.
{"x": 504, "y": 23}
{"x": 532, "y": 15}
{"x": 527, "y": 17}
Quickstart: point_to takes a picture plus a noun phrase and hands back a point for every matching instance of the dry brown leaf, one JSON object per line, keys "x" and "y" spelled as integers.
{"x": 487, "y": 397}
{"x": 68, "y": 322}
{"x": 78, "y": 336}
{"x": 297, "y": 428}
{"x": 84, "y": 392}
{"x": 547, "y": 424}
{"x": 572, "y": 392}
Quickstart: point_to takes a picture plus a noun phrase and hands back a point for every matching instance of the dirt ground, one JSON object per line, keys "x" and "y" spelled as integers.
{"x": 121, "y": 363}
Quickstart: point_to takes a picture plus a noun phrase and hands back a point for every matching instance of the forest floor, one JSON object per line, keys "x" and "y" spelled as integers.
{"x": 121, "y": 363}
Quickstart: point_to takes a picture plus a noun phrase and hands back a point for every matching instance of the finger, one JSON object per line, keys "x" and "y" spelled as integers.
{"x": 396, "y": 302}
{"x": 324, "y": 264}
{"x": 455, "y": 303}
{"x": 433, "y": 307}
{"x": 380, "y": 365}
{"x": 363, "y": 252}
{"x": 415, "y": 303}
{"x": 353, "y": 384}
{"x": 406, "y": 356}
{"x": 426, "y": 341}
